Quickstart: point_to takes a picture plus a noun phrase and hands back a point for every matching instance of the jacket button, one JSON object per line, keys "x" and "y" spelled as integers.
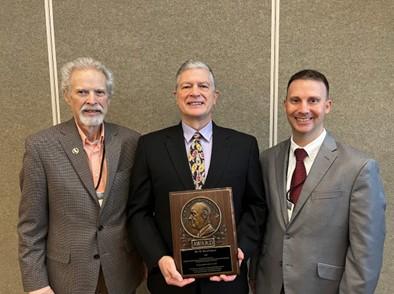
{"x": 281, "y": 263}
{"x": 100, "y": 227}
{"x": 96, "y": 256}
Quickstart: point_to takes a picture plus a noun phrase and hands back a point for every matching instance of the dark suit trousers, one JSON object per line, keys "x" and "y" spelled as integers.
{"x": 101, "y": 287}
{"x": 157, "y": 285}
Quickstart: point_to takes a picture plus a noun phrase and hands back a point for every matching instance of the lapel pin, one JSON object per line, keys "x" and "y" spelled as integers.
{"x": 75, "y": 150}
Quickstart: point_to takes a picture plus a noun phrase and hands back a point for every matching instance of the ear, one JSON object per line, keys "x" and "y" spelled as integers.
{"x": 216, "y": 96}
{"x": 67, "y": 97}
{"x": 328, "y": 105}
{"x": 176, "y": 98}
{"x": 284, "y": 103}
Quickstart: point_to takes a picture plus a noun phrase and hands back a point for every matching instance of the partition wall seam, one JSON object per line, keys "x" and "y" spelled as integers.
{"x": 52, "y": 62}
{"x": 274, "y": 72}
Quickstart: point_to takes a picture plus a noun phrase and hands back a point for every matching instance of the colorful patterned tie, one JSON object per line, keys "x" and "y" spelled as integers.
{"x": 196, "y": 161}
{"x": 299, "y": 175}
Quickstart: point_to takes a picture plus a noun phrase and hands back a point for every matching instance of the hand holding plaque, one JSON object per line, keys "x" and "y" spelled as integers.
{"x": 203, "y": 232}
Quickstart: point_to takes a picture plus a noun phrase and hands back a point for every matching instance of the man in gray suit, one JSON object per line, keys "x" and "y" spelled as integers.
{"x": 75, "y": 184}
{"x": 325, "y": 228}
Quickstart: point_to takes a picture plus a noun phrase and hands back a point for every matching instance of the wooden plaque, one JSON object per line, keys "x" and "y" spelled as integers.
{"x": 204, "y": 233}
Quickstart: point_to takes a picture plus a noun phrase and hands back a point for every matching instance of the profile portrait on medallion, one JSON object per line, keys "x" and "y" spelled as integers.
{"x": 201, "y": 217}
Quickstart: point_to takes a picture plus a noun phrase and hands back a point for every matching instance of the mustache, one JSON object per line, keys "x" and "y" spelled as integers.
{"x": 98, "y": 108}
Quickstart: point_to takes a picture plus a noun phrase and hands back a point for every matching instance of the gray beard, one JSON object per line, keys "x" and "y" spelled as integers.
{"x": 91, "y": 121}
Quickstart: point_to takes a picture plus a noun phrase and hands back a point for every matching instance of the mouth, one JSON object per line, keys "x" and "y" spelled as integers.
{"x": 195, "y": 103}
{"x": 303, "y": 119}
{"x": 91, "y": 111}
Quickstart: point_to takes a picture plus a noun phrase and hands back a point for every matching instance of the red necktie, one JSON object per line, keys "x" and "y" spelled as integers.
{"x": 299, "y": 175}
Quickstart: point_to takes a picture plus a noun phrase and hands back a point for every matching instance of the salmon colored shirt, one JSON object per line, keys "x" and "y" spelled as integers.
{"x": 94, "y": 151}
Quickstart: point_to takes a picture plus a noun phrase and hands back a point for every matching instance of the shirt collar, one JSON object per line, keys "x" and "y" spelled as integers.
{"x": 312, "y": 148}
{"x": 85, "y": 140}
{"x": 205, "y": 132}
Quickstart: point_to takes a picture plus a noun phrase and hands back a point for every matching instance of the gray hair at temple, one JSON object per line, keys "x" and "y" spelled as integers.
{"x": 83, "y": 63}
{"x": 190, "y": 64}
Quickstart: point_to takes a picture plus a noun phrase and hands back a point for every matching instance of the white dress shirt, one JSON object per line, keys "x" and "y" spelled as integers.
{"x": 312, "y": 149}
{"x": 206, "y": 142}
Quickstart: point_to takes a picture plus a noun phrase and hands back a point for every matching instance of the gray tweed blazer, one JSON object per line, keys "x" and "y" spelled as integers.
{"x": 64, "y": 234}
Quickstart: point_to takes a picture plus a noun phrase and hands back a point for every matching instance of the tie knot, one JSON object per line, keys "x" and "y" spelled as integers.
{"x": 196, "y": 136}
{"x": 300, "y": 154}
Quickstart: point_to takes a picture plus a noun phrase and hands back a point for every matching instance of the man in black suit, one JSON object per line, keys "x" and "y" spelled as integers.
{"x": 231, "y": 159}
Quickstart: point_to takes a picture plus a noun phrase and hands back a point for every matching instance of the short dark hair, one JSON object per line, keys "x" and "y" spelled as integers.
{"x": 310, "y": 74}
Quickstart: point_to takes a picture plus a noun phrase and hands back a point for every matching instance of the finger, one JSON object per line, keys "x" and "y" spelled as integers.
{"x": 240, "y": 254}
{"x": 228, "y": 278}
{"x": 182, "y": 283}
{"x": 174, "y": 274}
{"x": 215, "y": 279}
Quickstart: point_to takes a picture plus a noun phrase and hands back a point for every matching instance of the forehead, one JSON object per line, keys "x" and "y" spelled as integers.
{"x": 87, "y": 77}
{"x": 307, "y": 88}
{"x": 195, "y": 75}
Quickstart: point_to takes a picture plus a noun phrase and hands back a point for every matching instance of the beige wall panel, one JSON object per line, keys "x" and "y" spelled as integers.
{"x": 144, "y": 42}
{"x": 352, "y": 43}
{"x": 25, "y": 108}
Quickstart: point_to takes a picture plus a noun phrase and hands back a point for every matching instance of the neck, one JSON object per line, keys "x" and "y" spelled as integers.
{"x": 303, "y": 140}
{"x": 196, "y": 124}
{"x": 92, "y": 133}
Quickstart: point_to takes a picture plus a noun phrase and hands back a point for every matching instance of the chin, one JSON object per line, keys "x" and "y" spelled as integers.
{"x": 92, "y": 121}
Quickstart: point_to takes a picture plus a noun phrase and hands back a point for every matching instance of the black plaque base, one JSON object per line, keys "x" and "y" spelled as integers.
{"x": 207, "y": 261}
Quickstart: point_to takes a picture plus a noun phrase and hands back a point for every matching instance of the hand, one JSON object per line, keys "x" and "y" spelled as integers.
{"x": 45, "y": 290}
{"x": 170, "y": 274}
{"x": 229, "y": 278}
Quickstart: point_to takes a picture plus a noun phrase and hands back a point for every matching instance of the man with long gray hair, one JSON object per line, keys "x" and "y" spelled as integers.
{"x": 75, "y": 183}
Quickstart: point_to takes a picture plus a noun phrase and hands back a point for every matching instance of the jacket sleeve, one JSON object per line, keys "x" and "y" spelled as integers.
{"x": 366, "y": 232}
{"x": 141, "y": 224}
{"x": 253, "y": 217}
{"x": 33, "y": 220}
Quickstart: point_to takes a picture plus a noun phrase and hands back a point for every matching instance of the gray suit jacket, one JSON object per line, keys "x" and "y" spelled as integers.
{"x": 64, "y": 235}
{"x": 334, "y": 240}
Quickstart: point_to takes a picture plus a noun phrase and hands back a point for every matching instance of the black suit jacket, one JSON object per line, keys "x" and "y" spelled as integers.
{"x": 161, "y": 166}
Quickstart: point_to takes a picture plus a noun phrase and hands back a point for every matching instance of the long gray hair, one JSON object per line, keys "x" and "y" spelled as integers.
{"x": 82, "y": 63}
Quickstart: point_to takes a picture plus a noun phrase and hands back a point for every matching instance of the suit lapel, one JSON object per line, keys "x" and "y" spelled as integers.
{"x": 324, "y": 159}
{"x": 220, "y": 156}
{"x": 175, "y": 144}
{"x": 281, "y": 178}
{"x": 112, "y": 154}
{"x": 72, "y": 146}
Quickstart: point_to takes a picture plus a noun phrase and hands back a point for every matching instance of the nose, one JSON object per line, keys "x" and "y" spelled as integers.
{"x": 91, "y": 98}
{"x": 304, "y": 108}
{"x": 195, "y": 92}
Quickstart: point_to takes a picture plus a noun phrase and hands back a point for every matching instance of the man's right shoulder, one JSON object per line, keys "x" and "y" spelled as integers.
{"x": 276, "y": 148}
{"x": 45, "y": 134}
{"x": 162, "y": 133}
